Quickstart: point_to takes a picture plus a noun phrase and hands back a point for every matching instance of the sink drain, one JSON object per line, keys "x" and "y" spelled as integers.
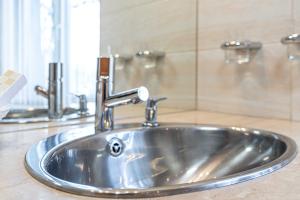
{"x": 115, "y": 147}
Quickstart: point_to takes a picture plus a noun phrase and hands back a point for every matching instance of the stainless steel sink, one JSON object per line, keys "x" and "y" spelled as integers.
{"x": 134, "y": 162}
{"x": 32, "y": 115}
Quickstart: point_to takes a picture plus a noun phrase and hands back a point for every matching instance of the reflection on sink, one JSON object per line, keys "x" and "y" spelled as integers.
{"x": 32, "y": 115}
{"x": 148, "y": 162}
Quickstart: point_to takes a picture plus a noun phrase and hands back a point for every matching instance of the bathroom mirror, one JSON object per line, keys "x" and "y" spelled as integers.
{"x": 36, "y": 33}
{"x": 159, "y": 37}
{"x": 153, "y": 44}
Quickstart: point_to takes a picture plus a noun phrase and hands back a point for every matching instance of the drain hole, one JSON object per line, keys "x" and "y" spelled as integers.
{"x": 115, "y": 147}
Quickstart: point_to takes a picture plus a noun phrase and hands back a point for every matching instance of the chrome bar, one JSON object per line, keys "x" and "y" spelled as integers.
{"x": 239, "y": 45}
{"x": 123, "y": 58}
{"x": 150, "y": 54}
{"x": 291, "y": 39}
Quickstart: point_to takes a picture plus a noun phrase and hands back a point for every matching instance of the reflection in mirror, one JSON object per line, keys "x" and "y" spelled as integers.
{"x": 36, "y": 33}
{"x": 161, "y": 37}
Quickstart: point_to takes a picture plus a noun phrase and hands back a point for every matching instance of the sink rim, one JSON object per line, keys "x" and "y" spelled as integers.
{"x": 37, "y": 153}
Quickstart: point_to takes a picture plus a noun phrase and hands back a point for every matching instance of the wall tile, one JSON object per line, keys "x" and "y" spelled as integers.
{"x": 177, "y": 80}
{"x": 267, "y": 87}
{"x": 265, "y": 21}
{"x": 297, "y": 24}
{"x": 257, "y": 89}
{"x": 296, "y": 11}
{"x": 214, "y": 12}
{"x": 109, "y": 6}
{"x": 295, "y": 69}
{"x": 297, "y": 27}
{"x": 213, "y": 37}
{"x": 160, "y": 25}
{"x": 295, "y": 89}
{"x": 173, "y": 77}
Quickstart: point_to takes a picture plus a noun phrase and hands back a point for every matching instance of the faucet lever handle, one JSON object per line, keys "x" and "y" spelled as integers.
{"x": 152, "y": 102}
{"x": 41, "y": 91}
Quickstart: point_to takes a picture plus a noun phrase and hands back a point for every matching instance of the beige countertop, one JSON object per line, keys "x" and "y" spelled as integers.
{"x": 16, "y": 183}
{"x": 120, "y": 113}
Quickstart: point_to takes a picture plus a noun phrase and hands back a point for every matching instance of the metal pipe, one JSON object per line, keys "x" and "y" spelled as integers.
{"x": 55, "y": 87}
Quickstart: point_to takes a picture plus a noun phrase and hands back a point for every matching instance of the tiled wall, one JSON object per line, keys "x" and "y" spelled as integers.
{"x": 269, "y": 86}
{"x": 191, "y": 32}
{"x": 261, "y": 88}
{"x": 295, "y": 68}
{"x": 169, "y": 26}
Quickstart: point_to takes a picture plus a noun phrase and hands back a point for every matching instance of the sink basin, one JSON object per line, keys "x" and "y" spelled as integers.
{"x": 134, "y": 162}
{"x": 31, "y": 115}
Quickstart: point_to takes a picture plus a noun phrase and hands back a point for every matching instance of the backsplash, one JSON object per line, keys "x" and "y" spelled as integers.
{"x": 264, "y": 87}
{"x": 193, "y": 71}
{"x": 131, "y": 26}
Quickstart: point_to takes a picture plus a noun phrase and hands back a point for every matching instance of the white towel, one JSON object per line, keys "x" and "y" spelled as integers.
{"x": 10, "y": 84}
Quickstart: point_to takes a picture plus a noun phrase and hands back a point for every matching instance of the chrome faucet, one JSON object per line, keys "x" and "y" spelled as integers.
{"x": 106, "y": 100}
{"x": 54, "y": 92}
{"x": 83, "y": 102}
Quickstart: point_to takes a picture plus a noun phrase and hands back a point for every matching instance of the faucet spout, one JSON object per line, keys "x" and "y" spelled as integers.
{"x": 133, "y": 96}
{"x": 106, "y": 100}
